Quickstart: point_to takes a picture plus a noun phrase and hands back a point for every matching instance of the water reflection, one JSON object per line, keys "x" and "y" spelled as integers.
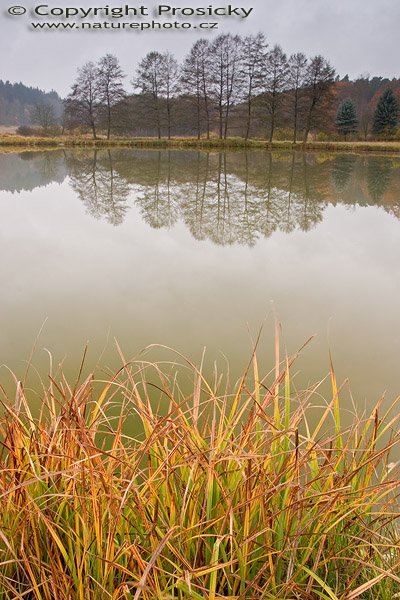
{"x": 29, "y": 170}
{"x": 232, "y": 198}
{"x": 342, "y": 170}
{"x": 107, "y": 246}
{"x": 103, "y": 192}
{"x": 379, "y": 174}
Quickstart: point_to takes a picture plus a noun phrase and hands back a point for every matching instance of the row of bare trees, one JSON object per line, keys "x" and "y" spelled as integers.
{"x": 228, "y": 83}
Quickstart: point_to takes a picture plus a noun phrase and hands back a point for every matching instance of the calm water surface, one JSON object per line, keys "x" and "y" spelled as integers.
{"x": 193, "y": 250}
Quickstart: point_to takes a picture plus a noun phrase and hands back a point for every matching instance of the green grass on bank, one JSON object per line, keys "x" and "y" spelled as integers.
{"x": 15, "y": 141}
{"x": 240, "y": 494}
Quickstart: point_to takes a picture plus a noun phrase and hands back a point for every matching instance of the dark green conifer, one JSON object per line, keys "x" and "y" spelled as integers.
{"x": 346, "y": 118}
{"x": 386, "y": 113}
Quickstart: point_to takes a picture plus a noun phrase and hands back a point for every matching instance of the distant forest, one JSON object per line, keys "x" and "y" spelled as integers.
{"x": 227, "y": 86}
{"x": 18, "y": 102}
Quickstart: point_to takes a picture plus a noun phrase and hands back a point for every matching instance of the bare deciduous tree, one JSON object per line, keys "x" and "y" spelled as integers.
{"x": 296, "y": 79}
{"x": 84, "y": 101}
{"x": 158, "y": 76}
{"x": 318, "y": 82}
{"x": 253, "y": 60}
{"x": 150, "y": 79}
{"x": 171, "y": 79}
{"x": 195, "y": 81}
{"x": 111, "y": 89}
{"x": 226, "y": 77}
{"x": 44, "y": 115}
{"x": 275, "y": 82}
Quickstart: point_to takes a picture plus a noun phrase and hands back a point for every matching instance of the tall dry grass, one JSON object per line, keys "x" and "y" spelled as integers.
{"x": 218, "y": 494}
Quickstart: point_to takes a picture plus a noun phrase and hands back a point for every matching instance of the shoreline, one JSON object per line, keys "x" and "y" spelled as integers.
{"x": 29, "y": 143}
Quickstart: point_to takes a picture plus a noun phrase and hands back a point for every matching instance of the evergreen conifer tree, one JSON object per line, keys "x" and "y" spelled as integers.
{"x": 346, "y": 118}
{"x": 386, "y": 113}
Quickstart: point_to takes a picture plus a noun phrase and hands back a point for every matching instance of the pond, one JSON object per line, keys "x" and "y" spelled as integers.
{"x": 198, "y": 250}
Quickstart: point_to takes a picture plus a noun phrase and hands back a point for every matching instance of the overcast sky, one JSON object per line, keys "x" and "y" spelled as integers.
{"x": 357, "y": 36}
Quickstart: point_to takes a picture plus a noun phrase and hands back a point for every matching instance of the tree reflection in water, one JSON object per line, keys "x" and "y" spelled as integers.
{"x": 228, "y": 198}
{"x": 378, "y": 178}
{"x": 103, "y": 192}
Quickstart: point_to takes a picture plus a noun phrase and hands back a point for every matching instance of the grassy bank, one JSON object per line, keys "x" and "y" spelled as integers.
{"x": 14, "y": 141}
{"x": 223, "y": 495}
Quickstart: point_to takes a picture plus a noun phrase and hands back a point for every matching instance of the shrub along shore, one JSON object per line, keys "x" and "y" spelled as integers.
{"x": 129, "y": 489}
{"x": 9, "y": 141}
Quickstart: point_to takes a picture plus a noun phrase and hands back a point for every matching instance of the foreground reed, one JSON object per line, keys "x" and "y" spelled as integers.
{"x": 137, "y": 490}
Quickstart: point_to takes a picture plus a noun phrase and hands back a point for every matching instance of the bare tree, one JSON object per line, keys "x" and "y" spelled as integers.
{"x": 171, "y": 79}
{"x": 84, "y": 101}
{"x": 111, "y": 89}
{"x": 71, "y": 118}
{"x": 254, "y": 56}
{"x": 318, "y": 82}
{"x": 158, "y": 76}
{"x": 151, "y": 80}
{"x": 44, "y": 115}
{"x": 226, "y": 77}
{"x": 276, "y": 78}
{"x": 195, "y": 80}
{"x": 296, "y": 78}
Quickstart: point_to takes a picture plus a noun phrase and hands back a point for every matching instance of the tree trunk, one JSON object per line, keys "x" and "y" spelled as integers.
{"x": 157, "y": 109}
{"x": 309, "y": 121}
{"x": 296, "y": 101}
{"x": 307, "y": 129}
{"x": 206, "y": 107}
{"x": 226, "y": 125}
{"x": 198, "y": 117}
{"x": 271, "y": 133}
{"x": 248, "y": 119}
{"x": 109, "y": 123}
{"x": 169, "y": 118}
